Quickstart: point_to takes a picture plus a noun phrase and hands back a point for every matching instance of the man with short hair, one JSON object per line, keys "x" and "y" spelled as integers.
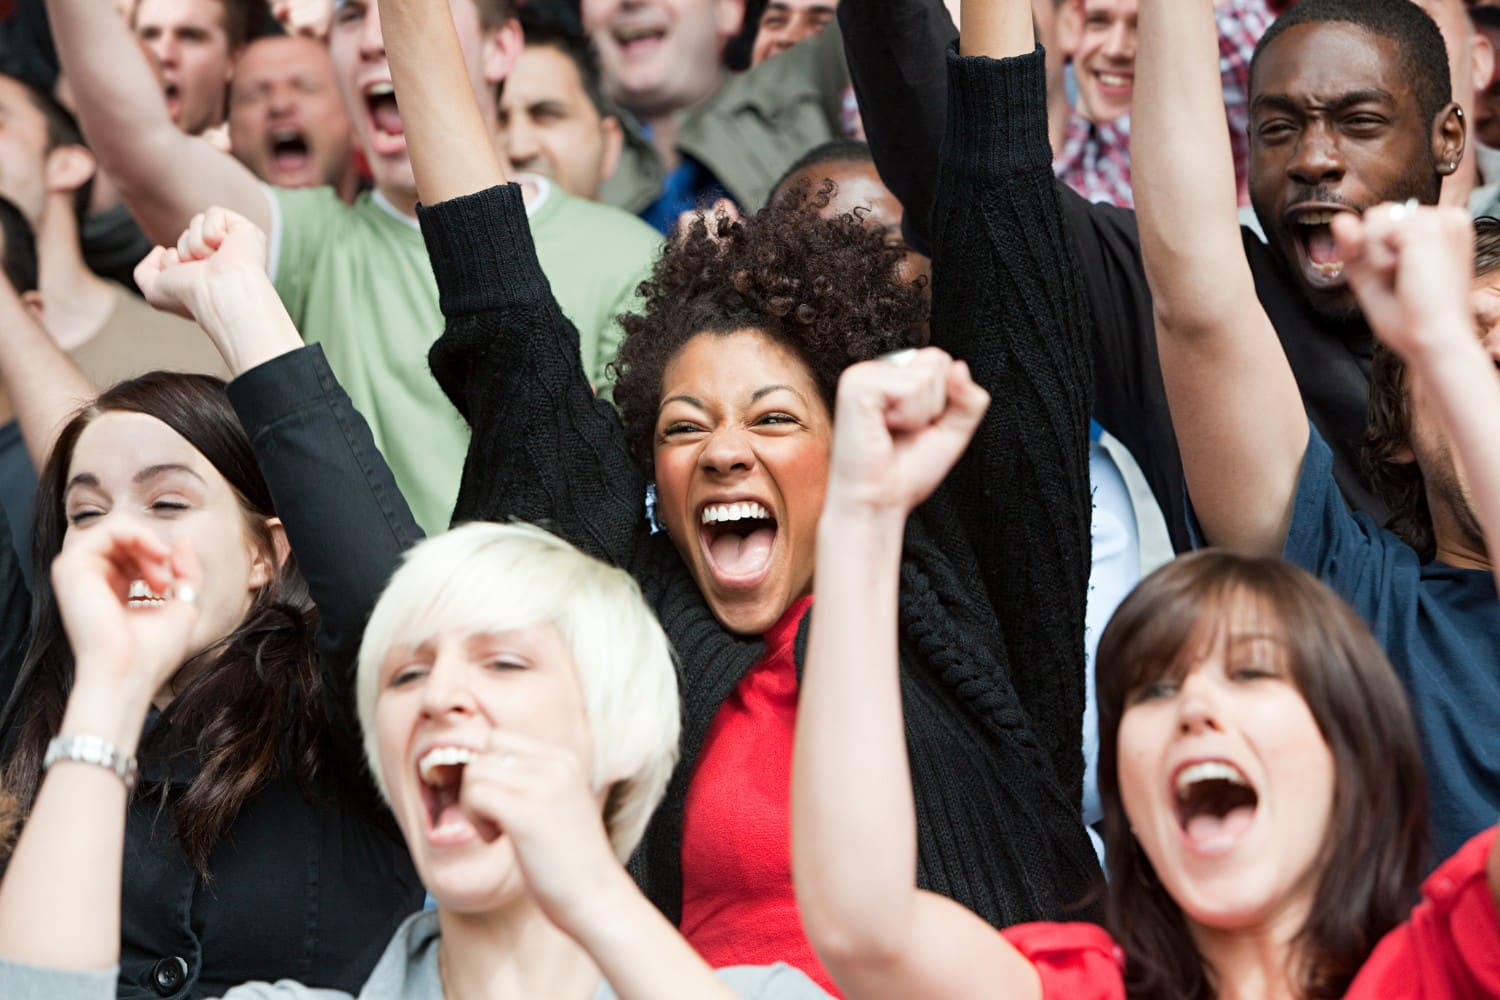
{"x": 784, "y": 23}
{"x": 356, "y": 279}
{"x": 195, "y": 44}
{"x": 698, "y": 131}
{"x": 286, "y": 122}
{"x": 553, "y": 119}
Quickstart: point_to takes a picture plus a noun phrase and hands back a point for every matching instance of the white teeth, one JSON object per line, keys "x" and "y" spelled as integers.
{"x": 442, "y": 757}
{"x": 1113, "y": 80}
{"x": 1316, "y": 218}
{"x": 715, "y": 513}
{"x": 285, "y": 135}
{"x": 139, "y": 595}
{"x": 379, "y": 90}
{"x": 1333, "y": 270}
{"x": 1211, "y": 770}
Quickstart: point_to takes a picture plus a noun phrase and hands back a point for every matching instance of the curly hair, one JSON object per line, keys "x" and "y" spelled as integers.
{"x": 826, "y": 289}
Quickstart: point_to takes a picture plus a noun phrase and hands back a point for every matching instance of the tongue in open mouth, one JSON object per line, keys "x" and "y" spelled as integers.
{"x": 739, "y": 539}
{"x": 1215, "y": 806}
{"x": 1324, "y": 264}
{"x": 288, "y": 150}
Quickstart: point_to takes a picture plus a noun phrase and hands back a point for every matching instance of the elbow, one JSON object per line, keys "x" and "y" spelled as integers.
{"x": 853, "y": 939}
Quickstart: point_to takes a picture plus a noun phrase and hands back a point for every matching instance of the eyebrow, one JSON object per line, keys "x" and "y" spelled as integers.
{"x": 1284, "y": 102}
{"x": 148, "y": 473}
{"x": 755, "y": 397}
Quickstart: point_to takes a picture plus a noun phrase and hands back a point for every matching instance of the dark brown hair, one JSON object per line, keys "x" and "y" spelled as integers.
{"x": 826, "y": 289}
{"x": 1386, "y": 458}
{"x": 258, "y": 685}
{"x": 1373, "y": 852}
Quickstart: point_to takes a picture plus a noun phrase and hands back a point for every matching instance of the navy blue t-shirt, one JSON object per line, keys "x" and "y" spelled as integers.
{"x": 1440, "y": 627}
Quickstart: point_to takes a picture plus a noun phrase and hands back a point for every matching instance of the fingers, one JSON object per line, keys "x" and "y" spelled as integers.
{"x": 516, "y": 773}
{"x": 914, "y": 390}
{"x": 122, "y": 554}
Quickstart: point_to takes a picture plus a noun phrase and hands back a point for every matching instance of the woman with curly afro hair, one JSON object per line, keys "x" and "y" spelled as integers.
{"x": 725, "y": 386}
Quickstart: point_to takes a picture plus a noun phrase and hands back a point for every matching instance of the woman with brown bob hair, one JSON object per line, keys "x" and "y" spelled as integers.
{"x": 253, "y": 834}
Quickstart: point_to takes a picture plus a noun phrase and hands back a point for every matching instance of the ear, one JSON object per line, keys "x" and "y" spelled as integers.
{"x": 32, "y": 300}
{"x": 263, "y": 565}
{"x": 502, "y": 47}
{"x": 614, "y": 145}
{"x": 1069, "y": 26}
{"x": 729, "y": 17}
{"x": 1449, "y": 136}
{"x": 68, "y": 168}
{"x": 1481, "y": 64}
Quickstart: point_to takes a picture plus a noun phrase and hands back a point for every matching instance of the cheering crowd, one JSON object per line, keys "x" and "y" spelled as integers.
{"x": 780, "y": 499}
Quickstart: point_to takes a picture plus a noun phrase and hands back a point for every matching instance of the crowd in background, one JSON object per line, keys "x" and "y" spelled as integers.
{"x": 766, "y": 498}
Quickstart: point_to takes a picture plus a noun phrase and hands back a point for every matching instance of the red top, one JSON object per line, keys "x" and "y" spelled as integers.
{"x": 1448, "y": 949}
{"x": 738, "y": 907}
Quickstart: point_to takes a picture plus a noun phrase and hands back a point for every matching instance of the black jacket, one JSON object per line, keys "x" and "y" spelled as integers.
{"x": 895, "y": 51}
{"x": 308, "y": 888}
{"x": 995, "y": 568}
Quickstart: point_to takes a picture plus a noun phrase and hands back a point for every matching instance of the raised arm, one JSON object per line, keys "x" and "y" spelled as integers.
{"x": 1410, "y": 268}
{"x": 43, "y": 383}
{"x": 452, "y": 153}
{"x": 344, "y": 515}
{"x": 1241, "y": 427}
{"x": 165, "y": 176}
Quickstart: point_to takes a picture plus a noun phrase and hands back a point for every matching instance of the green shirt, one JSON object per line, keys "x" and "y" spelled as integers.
{"x": 356, "y": 279}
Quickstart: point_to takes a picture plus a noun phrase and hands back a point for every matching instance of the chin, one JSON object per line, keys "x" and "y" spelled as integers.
{"x": 473, "y": 886}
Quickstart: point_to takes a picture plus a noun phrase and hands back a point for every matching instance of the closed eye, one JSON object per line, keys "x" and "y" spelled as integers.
{"x": 79, "y": 517}
{"x": 1152, "y": 692}
{"x": 407, "y": 675}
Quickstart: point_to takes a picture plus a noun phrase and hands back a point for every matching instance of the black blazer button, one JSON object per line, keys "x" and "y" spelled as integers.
{"x": 168, "y": 975}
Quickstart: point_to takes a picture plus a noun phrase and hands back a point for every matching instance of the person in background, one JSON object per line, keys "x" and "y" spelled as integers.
{"x": 553, "y": 118}
{"x": 286, "y": 122}
{"x": 195, "y": 44}
{"x": 19, "y": 302}
{"x": 784, "y": 23}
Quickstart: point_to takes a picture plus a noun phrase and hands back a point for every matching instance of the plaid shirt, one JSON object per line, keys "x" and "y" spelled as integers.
{"x": 1095, "y": 157}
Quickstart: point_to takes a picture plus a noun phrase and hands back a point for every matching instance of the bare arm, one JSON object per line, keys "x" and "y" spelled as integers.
{"x": 1410, "y": 269}
{"x": 165, "y": 176}
{"x": 1240, "y": 423}
{"x": 44, "y": 384}
{"x": 451, "y": 150}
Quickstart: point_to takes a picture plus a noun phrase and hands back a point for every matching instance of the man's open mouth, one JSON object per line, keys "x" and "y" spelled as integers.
{"x": 1215, "y": 805}
{"x": 289, "y": 152}
{"x": 738, "y": 539}
{"x": 1312, "y": 230}
{"x": 385, "y": 117}
{"x": 638, "y": 38}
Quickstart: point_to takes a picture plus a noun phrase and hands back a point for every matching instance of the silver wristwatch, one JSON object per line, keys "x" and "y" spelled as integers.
{"x": 86, "y": 749}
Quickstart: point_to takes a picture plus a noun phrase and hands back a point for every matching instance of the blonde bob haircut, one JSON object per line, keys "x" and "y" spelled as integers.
{"x": 486, "y": 577}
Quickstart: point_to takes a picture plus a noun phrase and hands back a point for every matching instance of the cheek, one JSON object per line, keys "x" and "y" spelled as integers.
{"x": 674, "y": 471}
{"x": 1135, "y": 767}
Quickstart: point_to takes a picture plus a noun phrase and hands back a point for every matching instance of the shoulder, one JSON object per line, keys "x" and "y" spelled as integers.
{"x": 299, "y": 206}
{"x": 609, "y": 230}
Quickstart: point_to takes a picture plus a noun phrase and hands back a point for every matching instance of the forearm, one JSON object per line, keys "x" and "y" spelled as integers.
{"x": 60, "y": 899}
{"x": 854, "y": 842}
{"x": 452, "y": 153}
{"x": 1182, "y": 166}
{"x": 639, "y": 952}
{"x": 44, "y": 384}
{"x": 997, "y": 29}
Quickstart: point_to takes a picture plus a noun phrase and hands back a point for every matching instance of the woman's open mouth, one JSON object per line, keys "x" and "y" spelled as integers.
{"x": 1215, "y": 805}
{"x": 440, "y": 774}
{"x": 738, "y": 541}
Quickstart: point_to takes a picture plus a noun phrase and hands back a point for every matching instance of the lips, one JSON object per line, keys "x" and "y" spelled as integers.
{"x": 1115, "y": 84}
{"x": 1215, "y": 805}
{"x": 288, "y": 150}
{"x": 440, "y": 772}
{"x": 738, "y": 541}
{"x": 638, "y": 38}
{"x": 387, "y": 135}
{"x": 173, "y": 95}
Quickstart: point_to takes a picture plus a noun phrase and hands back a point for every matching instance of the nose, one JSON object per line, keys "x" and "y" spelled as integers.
{"x": 1120, "y": 42}
{"x": 281, "y": 103}
{"x": 521, "y": 144}
{"x": 165, "y": 48}
{"x": 1317, "y": 159}
{"x": 1197, "y": 705}
{"x": 447, "y": 690}
{"x": 371, "y": 41}
{"x": 727, "y": 450}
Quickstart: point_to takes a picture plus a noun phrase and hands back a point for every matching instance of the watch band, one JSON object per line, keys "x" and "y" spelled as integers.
{"x": 86, "y": 749}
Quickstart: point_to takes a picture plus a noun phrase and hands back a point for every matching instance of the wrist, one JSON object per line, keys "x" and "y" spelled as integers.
{"x": 603, "y": 909}
{"x": 246, "y": 320}
{"x": 112, "y": 712}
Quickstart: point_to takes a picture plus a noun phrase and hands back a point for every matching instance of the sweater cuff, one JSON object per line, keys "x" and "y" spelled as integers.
{"x": 481, "y": 252}
{"x": 997, "y": 114}
{"x": 276, "y": 389}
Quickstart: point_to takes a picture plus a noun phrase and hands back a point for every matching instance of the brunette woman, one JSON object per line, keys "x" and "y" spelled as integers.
{"x": 725, "y": 389}
{"x": 256, "y": 846}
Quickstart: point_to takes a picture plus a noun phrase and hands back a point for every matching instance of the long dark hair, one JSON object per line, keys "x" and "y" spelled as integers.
{"x": 259, "y": 684}
{"x": 1373, "y": 852}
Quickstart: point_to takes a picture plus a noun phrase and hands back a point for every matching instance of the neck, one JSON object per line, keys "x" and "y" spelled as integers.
{"x": 1459, "y": 185}
{"x": 513, "y": 952}
{"x": 1458, "y": 536}
{"x": 1253, "y": 963}
{"x": 1058, "y": 112}
{"x": 78, "y": 302}
{"x": 664, "y": 129}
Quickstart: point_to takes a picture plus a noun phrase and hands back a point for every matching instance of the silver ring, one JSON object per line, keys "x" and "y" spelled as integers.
{"x": 1401, "y": 210}
{"x": 185, "y": 593}
{"x": 900, "y": 358}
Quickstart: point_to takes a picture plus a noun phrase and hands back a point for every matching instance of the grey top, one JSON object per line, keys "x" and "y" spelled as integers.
{"x": 407, "y": 971}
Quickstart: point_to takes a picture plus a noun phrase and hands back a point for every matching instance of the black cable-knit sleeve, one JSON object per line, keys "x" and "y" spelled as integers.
{"x": 1008, "y": 300}
{"x": 544, "y": 448}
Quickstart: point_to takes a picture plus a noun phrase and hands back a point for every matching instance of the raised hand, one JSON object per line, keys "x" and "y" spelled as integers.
{"x": 900, "y": 424}
{"x": 127, "y": 602}
{"x": 308, "y": 18}
{"x": 216, "y": 275}
{"x": 540, "y": 796}
{"x": 1410, "y": 268}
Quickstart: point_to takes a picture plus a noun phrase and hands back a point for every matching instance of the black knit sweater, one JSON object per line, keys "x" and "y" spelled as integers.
{"x": 995, "y": 569}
